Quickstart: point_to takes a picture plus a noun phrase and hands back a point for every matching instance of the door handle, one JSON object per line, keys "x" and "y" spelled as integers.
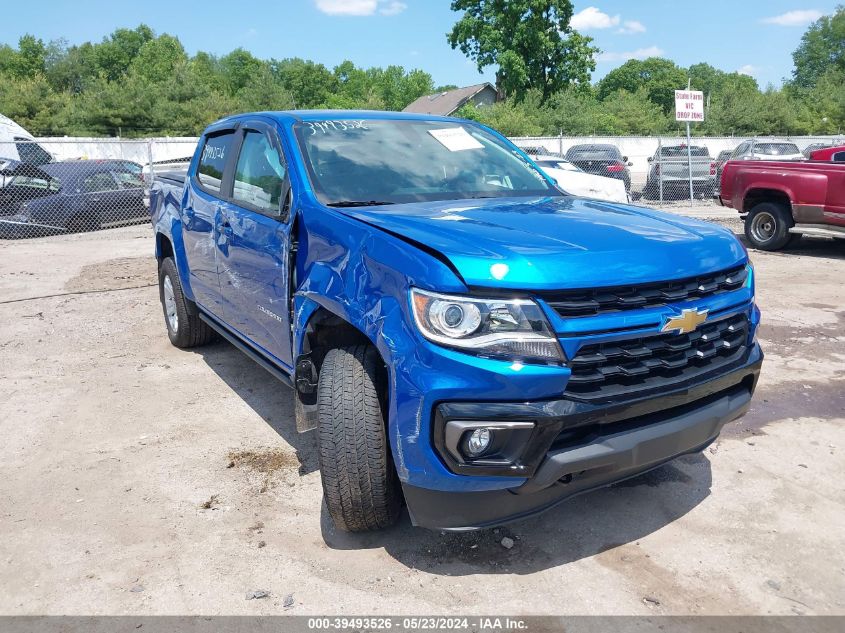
{"x": 224, "y": 227}
{"x": 190, "y": 213}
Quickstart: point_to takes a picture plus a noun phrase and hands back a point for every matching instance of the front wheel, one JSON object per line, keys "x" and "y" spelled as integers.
{"x": 360, "y": 485}
{"x": 767, "y": 226}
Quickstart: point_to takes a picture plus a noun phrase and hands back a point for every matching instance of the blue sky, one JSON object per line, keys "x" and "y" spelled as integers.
{"x": 755, "y": 36}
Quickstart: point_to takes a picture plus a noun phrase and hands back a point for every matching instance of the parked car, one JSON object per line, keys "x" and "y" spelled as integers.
{"x": 602, "y": 160}
{"x": 17, "y": 146}
{"x": 576, "y": 181}
{"x": 460, "y": 333}
{"x": 538, "y": 150}
{"x": 669, "y": 172}
{"x": 783, "y": 201}
{"x": 830, "y": 154}
{"x": 71, "y": 196}
{"x": 767, "y": 149}
{"x": 723, "y": 157}
{"x": 812, "y": 147}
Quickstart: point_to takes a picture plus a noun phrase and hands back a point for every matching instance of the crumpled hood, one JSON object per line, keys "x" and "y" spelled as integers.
{"x": 558, "y": 242}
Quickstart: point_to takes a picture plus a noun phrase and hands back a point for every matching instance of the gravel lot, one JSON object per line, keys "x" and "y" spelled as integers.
{"x": 141, "y": 479}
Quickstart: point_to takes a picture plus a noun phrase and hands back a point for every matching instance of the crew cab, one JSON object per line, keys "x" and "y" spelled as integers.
{"x": 781, "y": 201}
{"x": 464, "y": 336}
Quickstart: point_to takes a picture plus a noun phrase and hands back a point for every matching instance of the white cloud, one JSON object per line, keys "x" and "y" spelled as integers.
{"x": 748, "y": 69}
{"x": 591, "y": 18}
{"x": 631, "y": 26}
{"x": 360, "y": 7}
{"x": 640, "y": 53}
{"x": 800, "y": 17}
{"x": 393, "y": 8}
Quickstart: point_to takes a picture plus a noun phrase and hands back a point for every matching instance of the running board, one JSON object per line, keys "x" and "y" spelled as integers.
{"x": 819, "y": 230}
{"x": 248, "y": 350}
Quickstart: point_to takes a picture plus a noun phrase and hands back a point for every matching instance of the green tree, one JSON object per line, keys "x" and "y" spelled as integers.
{"x": 310, "y": 84}
{"x": 822, "y": 47}
{"x": 238, "y": 67}
{"x": 510, "y": 117}
{"x": 158, "y": 57}
{"x": 530, "y": 41}
{"x": 116, "y": 52}
{"x": 659, "y": 77}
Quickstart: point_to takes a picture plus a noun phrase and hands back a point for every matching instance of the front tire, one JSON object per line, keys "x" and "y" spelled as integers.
{"x": 184, "y": 327}
{"x": 360, "y": 485}
{"x": 767, "y": 226}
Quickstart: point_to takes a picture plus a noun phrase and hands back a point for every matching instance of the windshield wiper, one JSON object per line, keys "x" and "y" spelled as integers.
{"x": 359, "y": 203}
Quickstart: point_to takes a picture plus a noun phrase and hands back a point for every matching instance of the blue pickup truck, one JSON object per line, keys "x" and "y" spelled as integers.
{"x": 467, "y": 339}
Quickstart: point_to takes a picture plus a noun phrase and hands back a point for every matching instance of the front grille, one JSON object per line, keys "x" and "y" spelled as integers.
{"x": 625, "y": 367}
{"x": 578, "y": 303}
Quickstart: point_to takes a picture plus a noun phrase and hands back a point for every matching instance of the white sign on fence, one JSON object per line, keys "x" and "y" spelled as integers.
{"x": 689, "y": 105}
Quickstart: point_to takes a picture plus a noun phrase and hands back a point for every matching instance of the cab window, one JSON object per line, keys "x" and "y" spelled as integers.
{"x": 98, "y": 182}
{"x": 213, "y": 158}
{"x": 259, "y": 174}
{"x": 31, "y": 152}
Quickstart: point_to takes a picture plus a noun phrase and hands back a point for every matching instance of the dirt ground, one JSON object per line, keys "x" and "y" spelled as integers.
{"x": 140, "y": 479}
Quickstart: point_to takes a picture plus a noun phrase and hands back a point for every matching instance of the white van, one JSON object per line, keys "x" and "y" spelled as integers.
{"x": 18, "y": 146}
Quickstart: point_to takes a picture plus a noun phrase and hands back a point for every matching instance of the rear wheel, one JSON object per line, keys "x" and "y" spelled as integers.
{"x": 767, "y": 226}
{"x": 184, "y": 326}
{"x": 360, "y": 485}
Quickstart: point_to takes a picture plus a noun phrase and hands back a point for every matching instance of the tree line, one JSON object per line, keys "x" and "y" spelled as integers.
{"x": 139, "y": 83}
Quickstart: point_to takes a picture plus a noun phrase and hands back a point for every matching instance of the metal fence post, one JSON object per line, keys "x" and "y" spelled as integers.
{"x": 660, "y": 167}
{"x": 150, "y": 161}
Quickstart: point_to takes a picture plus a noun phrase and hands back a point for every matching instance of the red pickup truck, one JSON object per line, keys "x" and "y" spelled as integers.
{"x": 784, "y": 200}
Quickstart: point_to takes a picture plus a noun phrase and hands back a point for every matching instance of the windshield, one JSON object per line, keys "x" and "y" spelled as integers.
{"x": 592, "y": 152}
{"x": 36, "y": 183}
{"x": 681, "y": 150}
{"x": 356, "y": 162}
{"x": 776, "y": 149}
{"x": 556, "y": 163}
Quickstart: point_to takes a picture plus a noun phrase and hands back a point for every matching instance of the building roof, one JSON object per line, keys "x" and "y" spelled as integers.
{"x": 446, "y": 103}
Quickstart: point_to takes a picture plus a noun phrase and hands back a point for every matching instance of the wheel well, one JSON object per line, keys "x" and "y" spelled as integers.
{"x": 756, "y": 196}
{"x": 325, "y": 331}
{"x": 163, "y": 247}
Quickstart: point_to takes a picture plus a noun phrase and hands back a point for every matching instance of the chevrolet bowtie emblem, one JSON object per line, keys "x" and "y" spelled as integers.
{"x": 686, "y": 322}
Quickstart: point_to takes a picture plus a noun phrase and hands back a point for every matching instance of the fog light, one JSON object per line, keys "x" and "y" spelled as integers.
{"x": 478, "y": 442}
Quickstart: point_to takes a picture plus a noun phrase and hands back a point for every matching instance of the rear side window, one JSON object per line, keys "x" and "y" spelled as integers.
{"x": 31, "y": 152}
{"x": 215, "y": 152}
{"x": 838, "y": 157}
{"x": 98, "y": 182}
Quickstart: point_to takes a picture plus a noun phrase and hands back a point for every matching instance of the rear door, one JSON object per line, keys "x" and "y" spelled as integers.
{"x": 253, "y": 249}
{"x": 201, "y": 207}
{"x": 131, "y": 200}
{"x": 99, "y": 204}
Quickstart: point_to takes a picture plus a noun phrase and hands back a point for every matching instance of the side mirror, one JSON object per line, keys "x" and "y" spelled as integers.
{"x": 285, "y": 201}
{"x": 651, "y": 159}
{"x": 624, "y": 159}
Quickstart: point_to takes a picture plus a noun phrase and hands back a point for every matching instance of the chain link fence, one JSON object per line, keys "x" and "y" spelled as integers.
{"x": 59, "y": 186}
{"x": 664, "y": 171}
{"x": 55, "y": 186}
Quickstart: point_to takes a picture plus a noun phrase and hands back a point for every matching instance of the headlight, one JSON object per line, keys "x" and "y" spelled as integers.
{"x": 515, "y": 329}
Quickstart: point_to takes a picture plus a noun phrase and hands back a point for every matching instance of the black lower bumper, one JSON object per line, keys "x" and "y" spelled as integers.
{"x": 623, "y": 449}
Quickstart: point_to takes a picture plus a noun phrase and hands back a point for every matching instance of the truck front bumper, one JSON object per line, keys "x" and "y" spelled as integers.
{"x": 620, "y": 442}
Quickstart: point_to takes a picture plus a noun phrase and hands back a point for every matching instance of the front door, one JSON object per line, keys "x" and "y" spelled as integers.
{"x": 253, "y": 250}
